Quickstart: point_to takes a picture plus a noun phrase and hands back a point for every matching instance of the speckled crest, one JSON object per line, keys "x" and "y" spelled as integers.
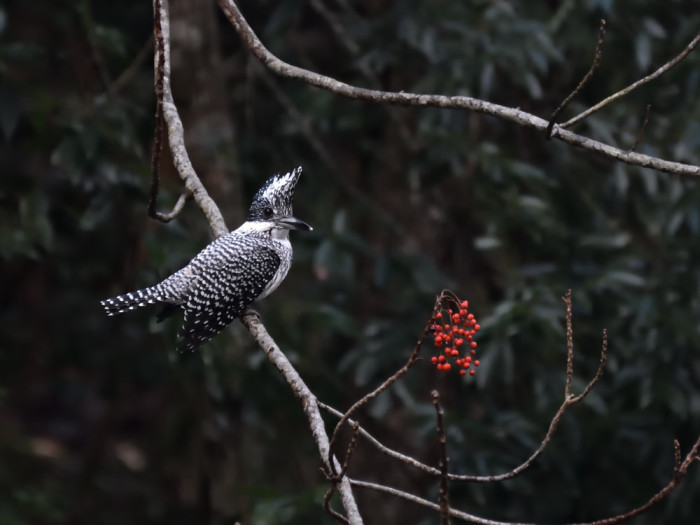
{"x": 277, "y": 192}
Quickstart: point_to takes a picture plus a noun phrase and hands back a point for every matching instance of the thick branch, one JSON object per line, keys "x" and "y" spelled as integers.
{"x": 181, "y": 160}
{"x": 401, "y": 98}
{"x": 251, "y": 320}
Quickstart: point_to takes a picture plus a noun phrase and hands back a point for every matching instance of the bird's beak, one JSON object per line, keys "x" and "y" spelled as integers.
{"x": 292, "y": 223}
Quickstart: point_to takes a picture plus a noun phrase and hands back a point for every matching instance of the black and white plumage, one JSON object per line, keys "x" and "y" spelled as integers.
{"x": 236, "y": 269}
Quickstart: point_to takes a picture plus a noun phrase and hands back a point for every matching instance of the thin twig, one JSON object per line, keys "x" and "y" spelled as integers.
{"x": 443, "y": 492}
{"x": 680, "y": 471}
{"x": 640, "y": 135}
{"x": 381, "y": 388}
{"x": 668, "y": 65}
{"x": 569, "y": 344}
{"x": 428, "y": 504}
{"x": 327, "y": 504}
{"x": 402, "y": 98}
{"x": 126, "y": 75}
{"x": 599, "y": 372}
{"x": 554, "y": 424}
{"x": 584, "y": 80}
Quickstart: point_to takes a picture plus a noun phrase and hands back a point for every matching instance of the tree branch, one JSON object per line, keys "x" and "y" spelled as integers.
{"x": 181, "y": 160}
{"x": 443, "y": 491}
{"x": 402, "y": 98}
{"x": 584, "y": 80}
{"x": 251, "y": 321}
{"x": 679, "y": 472}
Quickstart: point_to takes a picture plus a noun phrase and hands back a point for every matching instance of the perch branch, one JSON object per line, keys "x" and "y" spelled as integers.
{"x": 251, "y": 321}
{"x": 194, "y": 187}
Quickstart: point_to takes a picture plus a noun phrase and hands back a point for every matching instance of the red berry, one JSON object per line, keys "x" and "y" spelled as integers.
{"x": 472, "y": 352}
{"x": 441, "y": 358}
{"x": 462, "y": 372}
{"x": 465, "y": 304}
{"x": 470, "y": 316}
{"x": 446, "y": 366}
{"x": 433, "y": 359}
{"x": 438, "y": 315}
{"x": 476, "y": 362}
{"x": 477, "y": 327}
{"x": 472, "y": 344}
{"x": 471, "y": 372}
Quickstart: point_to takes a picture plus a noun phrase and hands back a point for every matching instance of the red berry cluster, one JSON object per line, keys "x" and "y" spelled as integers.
{"x": 453, "y": 329}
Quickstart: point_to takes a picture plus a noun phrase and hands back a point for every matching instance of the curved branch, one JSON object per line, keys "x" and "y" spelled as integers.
{"x": 181, "y": 160}
{"x": 250, "y": 319}
{"x": 679, "y": 472}
{"x": 401, "y": 98}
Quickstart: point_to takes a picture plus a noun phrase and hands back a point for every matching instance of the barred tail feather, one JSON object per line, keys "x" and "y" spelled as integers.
{"x": 129, "y": 301}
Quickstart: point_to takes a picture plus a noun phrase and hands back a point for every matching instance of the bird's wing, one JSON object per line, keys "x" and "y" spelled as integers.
{"x": 225, "y": 287}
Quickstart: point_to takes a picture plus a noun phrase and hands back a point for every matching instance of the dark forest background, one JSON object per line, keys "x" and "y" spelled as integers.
{"x": 102, "y": 422}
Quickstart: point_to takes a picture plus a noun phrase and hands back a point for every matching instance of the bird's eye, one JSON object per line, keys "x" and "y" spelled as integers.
{"x": 267, "y": 212}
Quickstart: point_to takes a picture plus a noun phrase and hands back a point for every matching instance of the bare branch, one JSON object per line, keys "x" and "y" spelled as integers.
{"x": 251, "y": 321}
{"x": 640, "y": 135}
{"x": 584, "y": 80}
{"x": 443, "y": 493}
{"x": 678, "y": 476}
{"x": 401, "y": 98}
{"x": 668, "y": 65}
{"x": 569, "y": 345}
{"x": 569, "y": 400}
{"x": 599, "y": 372}
{"x": 429, "y": 504}
{"x": 181, "y": 160}
{"x": 679, "y": 473}
{"x": 326, "y": 156}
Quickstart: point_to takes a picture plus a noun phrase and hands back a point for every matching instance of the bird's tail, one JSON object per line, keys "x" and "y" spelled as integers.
{"x": 130, "y": 301}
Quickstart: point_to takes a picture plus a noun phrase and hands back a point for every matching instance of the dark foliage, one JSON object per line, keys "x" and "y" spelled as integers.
{"x": 102, "y": 422}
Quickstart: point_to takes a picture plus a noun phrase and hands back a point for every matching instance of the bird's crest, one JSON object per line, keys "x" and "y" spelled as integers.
{"x": 277, "y": 192}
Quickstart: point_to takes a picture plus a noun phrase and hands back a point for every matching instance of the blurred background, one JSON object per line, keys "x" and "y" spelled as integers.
{"x": 102, "y": 422}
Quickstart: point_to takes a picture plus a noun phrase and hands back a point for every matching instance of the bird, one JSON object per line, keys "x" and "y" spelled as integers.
{"x": 227, "y": 276}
